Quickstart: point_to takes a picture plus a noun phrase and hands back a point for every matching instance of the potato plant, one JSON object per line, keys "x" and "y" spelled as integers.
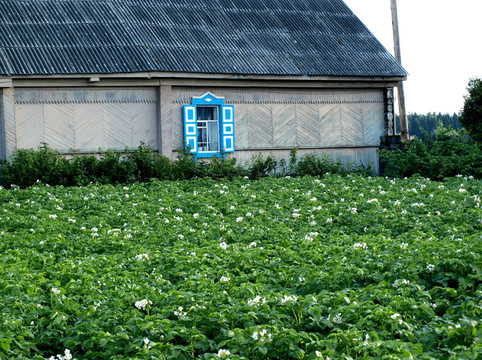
{"x": 279, "y": 268}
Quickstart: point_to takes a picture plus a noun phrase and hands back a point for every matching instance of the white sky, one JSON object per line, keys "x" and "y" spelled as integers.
{"x": 441, "y": 47}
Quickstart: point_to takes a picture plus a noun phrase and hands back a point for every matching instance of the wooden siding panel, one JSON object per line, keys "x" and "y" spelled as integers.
{"x": 87, "y": 119}
{"x": 89, "y": 126}
{"x": 330, "y": 124}
{"x": 241, "y": 114}
{"x": 260, "y": 131}
{"x": 30, "y": 126}
{"x": 59, "y": 126}
{"x": 373, "y": 123}
{"x": 2, "y": 126}
{"x": 84, "y": 95}
{"x": 351, "y": 124}
{"x": 143, "y": 119}
{"x": 117, "y": 126}
{"x": 340, "y": 120}
{"x": 284, "y": 125}
{"x": 308, "y": 125}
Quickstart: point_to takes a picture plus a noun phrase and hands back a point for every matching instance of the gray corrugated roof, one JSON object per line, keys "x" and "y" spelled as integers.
{"x": 265, "y": 37}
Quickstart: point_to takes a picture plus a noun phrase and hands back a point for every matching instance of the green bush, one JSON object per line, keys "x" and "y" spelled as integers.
{"x": 147, "y": 164}
{"x": 261, "y": 167}
{"x": 220, "y": 167}
{"x": 185, "y": 166}
{"x": 435, "y": 158}
{"x": 28, "y": 166}
{"x": 318, "y": 165}
{"x": 85, "y": 169}
{"x": 313, "y": 164}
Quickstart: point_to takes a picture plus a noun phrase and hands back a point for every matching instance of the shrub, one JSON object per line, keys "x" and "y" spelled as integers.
{"x": 28, "y": 166}
{"x": 147, "y": 164}
{"x": 435, "y": 158}
{"x": 317, "y": 165}
{"x": 220, "y": 167}
{"x": 113, "y": 168}
{"x": 261, "y": 167}
{"x": 85, "y": 169}
{"x": 185, "y": 166}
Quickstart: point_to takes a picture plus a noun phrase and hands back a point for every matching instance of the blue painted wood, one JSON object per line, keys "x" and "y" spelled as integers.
{"x": 207, "y": 99}
{"x": 190, "y": 127}
{"x": 226, "y": 125}
{"x": 227, "y": 128}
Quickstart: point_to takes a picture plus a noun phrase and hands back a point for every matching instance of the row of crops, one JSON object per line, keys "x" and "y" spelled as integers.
{"x": 288, "y": 268}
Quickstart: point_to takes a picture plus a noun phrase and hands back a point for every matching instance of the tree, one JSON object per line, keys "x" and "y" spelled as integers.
{"x": 471, "y": 115}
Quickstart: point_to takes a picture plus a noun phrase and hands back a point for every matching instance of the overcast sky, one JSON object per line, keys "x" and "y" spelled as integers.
{"x": 441, "y": 47}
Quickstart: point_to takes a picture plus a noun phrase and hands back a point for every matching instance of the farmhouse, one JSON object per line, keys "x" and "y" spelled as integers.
{"x": 236, "y": 77}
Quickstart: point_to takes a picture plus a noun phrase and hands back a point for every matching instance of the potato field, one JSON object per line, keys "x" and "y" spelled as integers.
{"x": 280, "y": 268}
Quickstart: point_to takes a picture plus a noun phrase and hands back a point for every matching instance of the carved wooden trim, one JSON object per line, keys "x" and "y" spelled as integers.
{"x": 86, "y": 96}
{"x": 183, "y": 95}
{"x": 389, "y": 112}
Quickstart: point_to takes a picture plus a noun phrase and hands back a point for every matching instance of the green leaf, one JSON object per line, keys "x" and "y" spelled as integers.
{"x": 5, "y": 345}
{"x": 103, "y": 342}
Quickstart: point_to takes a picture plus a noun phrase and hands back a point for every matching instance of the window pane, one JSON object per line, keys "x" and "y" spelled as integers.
{"x": 208, "y": 128}
{"x": 206, "y": 113}
{"x": 202, "y": 136}
{"x": 213, "y": 136}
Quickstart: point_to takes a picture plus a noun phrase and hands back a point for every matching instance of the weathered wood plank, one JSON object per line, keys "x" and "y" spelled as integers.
{"x": 308, "y": 125}
{"x": 260, "y": 125}
{"x": 89, "y": 126}
{"x": 117, "y": 127}
{"x": 284, "y": 125}
{"x": 166, "y": 120}
{"x": 373, "y": 126}
{"x": 177, "y": 127}
{"x": 30, "y": 126}
{"x": 59, "y": 125}
{"x": 84, "y": 95}
{"x": 2, "y": 125}
{"x": 286, "y": 95}
{"x": 143, "y": 120}
{"x": 241, "y": 126}
{"x": 351, "y": 124}
{"x": 86, "y": 119}
{"x": 330, "y": 124}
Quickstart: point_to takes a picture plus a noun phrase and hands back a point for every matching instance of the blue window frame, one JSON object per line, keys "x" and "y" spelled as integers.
{"x": 209, "y": 126}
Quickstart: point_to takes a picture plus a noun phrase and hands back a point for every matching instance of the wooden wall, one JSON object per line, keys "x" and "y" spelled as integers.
{"x": 85, "y": 119}
{"x": 346, "y": 124}
{"x": 267, "y": 118}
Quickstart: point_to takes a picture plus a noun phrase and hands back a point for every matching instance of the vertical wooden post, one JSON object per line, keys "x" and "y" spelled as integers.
{"x": 165, "y": 121}
{"x": 401, "y": 94}
{"x": 9, "y": 139}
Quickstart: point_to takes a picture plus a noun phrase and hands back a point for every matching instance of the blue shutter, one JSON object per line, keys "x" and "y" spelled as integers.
{"x": 227, "y": 128}
{"x": 190, "y": 127}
